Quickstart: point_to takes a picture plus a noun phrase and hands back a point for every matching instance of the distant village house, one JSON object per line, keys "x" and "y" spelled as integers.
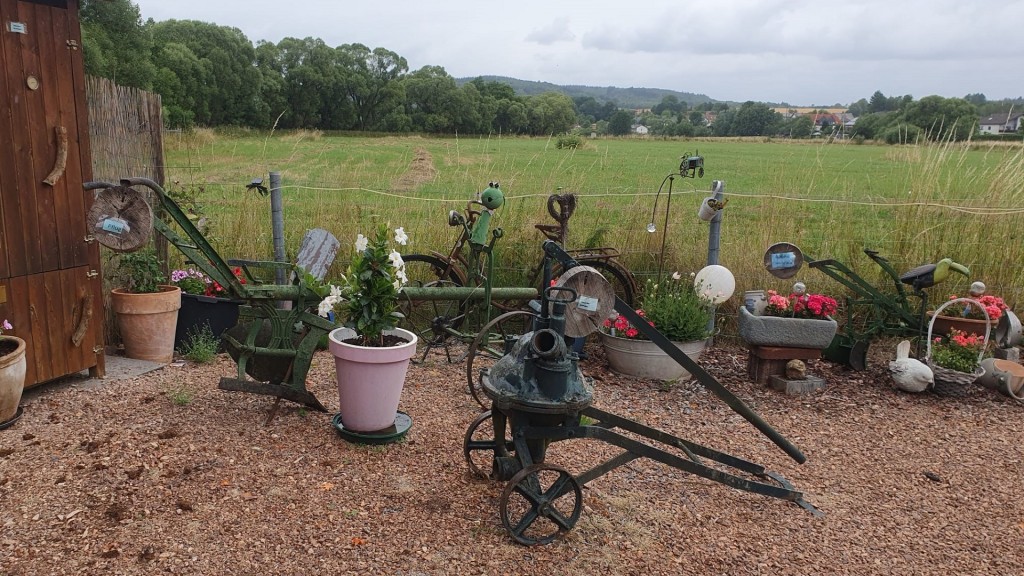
{"x": 1001, "y": 123}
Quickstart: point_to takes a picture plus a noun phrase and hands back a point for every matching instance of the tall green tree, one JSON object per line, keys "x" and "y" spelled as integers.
{"x": 550, "y": 113}
{"x": 620, "y": 123}
{"x": 755, "y": 119}
{"x": 372, "y": 84}
{"x": 943, "y": 118}
{"x": 234, "y": 95}
{"x": 115, "y": 44}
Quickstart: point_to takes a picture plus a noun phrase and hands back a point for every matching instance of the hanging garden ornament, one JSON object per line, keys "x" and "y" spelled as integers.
{"x": 715, "y": 283}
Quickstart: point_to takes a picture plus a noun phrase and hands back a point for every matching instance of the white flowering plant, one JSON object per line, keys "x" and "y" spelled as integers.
{"x": 367, "y": 299}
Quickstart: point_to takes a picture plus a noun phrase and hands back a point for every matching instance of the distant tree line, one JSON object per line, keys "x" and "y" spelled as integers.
{"x": 213, "y": 75}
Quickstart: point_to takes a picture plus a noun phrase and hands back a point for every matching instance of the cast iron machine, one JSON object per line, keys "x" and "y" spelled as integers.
{"x": 539, "y": 396}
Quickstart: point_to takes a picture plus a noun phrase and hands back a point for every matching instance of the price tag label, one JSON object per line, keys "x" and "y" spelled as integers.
{"x": 587, "y": 303}
{"x": 783, "y": 260}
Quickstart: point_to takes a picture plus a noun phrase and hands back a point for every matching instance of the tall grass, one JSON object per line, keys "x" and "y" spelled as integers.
{"x": 914, "y": 204}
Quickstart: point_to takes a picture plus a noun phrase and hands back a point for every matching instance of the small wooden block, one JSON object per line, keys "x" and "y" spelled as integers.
{"x": 785, "y": 353}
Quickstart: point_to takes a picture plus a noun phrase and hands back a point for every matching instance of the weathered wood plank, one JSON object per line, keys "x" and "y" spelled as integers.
{"x": 40, "y": 130}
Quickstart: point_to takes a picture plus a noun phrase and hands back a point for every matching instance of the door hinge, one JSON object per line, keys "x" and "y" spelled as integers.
{"x": 89, "y": 239}
{"x": 92, "y": 274}
{"x": 73, "y": 44}
{"x": 97, "y": 349}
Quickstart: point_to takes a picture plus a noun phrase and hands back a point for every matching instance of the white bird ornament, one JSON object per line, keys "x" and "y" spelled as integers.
{"x": 910, "y": 374}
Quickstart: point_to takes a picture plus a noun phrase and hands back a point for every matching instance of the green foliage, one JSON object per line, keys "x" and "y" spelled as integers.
{"x": 200, "y": 345}
{"x": 957, "y": 351}
{"x": 181, "y": 396}
{"x": 369, "y": 296}
{"x": 754, "y": 119}
{"x": 140, "y": 272}
{"x": 620, "y": 123}
{"x": 571, "y": 141}
{"x": 676, "y": 310}
{"x": 943, "y": 118}
{"x": 115, "y": 44}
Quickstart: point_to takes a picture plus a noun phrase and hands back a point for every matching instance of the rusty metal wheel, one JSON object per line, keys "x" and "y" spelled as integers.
{"x": 541, "y": 503}
{"x": 492, "y": 342}
{"x": 481, "y": 444}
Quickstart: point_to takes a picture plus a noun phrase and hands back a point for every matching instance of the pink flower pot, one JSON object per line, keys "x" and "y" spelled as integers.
{"x": 370, "y": 380}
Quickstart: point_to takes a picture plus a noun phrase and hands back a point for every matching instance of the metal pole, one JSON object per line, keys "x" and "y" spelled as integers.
{"x": 715, "y": 230}
{"x": 277, "y": 220}
{"x": 714, "y": 243}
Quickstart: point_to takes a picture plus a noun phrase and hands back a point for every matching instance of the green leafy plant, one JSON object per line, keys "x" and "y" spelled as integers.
{"x": 181, "y": 396}
{"x": 673, "y": 306}
{"x": 200, "y": 345}
{"x": 367, "y": 301}
{"x": 957, "y": 351}
{"x": 190, "y": 280}
{"x": 140, "y": 272}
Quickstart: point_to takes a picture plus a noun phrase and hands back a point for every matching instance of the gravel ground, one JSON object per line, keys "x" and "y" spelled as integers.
{"x": 165, "y": 473}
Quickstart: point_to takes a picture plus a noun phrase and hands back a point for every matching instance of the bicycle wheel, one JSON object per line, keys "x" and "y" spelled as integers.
{"x": 430, "y": 319}
{"x": 493, "y": 342}
{"x": 615, "y": 274}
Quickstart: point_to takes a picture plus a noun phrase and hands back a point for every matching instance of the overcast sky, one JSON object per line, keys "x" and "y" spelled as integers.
{"x": 804, "y": 52}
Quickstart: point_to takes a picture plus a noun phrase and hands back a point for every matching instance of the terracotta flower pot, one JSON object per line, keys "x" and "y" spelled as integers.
{"x": 644, "y": 359}
{"x": 370, "y": 379}
{"x": 943, "y": 324}
{"x": 147, "y": 322}
{"x": 12, "y": 376}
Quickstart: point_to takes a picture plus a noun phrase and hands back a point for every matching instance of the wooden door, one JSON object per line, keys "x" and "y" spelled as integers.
{"x": 48, "y": 263}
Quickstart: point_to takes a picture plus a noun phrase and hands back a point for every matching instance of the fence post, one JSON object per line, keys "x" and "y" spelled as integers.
{"x": 714, "y": 243}
{"x": 277, "y": 220}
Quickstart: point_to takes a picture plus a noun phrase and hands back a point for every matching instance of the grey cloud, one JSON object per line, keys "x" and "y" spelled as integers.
{"x": 557, "y": 31}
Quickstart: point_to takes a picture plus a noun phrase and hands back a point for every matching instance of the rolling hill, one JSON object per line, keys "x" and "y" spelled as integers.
{"x": 623, "y": 97}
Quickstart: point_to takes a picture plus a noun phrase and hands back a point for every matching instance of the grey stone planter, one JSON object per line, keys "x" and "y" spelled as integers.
{"x": 787, "y": 332}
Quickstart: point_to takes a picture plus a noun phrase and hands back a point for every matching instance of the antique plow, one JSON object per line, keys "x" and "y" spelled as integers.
{"x": 539, "y": 396}
{"x": 272, "y": 346}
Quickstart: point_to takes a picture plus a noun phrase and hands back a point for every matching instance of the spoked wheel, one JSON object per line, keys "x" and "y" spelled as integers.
{"x": 430, "y": 319}
{"x": 493, "y": 341}
{"x": 481, "y": 444}
{"x": 541, "y": 503}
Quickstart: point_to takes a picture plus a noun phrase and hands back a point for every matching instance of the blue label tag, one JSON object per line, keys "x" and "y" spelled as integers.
{"x": 115, "y": 226}
{"x": 783, "y": 260}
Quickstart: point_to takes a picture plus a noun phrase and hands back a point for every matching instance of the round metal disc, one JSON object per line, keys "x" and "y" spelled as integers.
{"x": 391, "y": 434}
{"x": 783, "y": 260}
{"x": 595, "y": 303}
{"x": 120, "y": 219}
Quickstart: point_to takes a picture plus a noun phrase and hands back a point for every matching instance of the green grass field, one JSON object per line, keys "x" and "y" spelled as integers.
{"x": 914, "y": 204}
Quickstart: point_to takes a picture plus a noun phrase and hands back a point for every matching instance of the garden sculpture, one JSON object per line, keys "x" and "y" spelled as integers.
{"x": 872, "y": 312}
{"x": 910, "y": 374}
{"x": 539, "y": 396}
{"x": 928, "y": 275}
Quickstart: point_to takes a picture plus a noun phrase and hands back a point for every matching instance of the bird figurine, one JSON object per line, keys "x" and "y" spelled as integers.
{"x": 910, "y": 374}
{"x": 928, "y": 275}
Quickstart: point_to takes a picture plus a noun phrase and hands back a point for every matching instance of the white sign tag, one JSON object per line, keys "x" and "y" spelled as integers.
{"x": 587, "y": 303}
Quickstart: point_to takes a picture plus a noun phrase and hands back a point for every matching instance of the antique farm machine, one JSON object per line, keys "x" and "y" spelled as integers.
{"x": 540, "y": 396}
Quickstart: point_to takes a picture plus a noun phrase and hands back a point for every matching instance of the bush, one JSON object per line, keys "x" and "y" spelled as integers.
{"x": 200, "y": 345}
{"x": 572, "y": 141}
{"x": 676, "y": 310}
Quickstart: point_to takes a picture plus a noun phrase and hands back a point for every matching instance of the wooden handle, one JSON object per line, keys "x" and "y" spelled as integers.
{"x": 84, "y": 315}
{"x": 62, "y": 157}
